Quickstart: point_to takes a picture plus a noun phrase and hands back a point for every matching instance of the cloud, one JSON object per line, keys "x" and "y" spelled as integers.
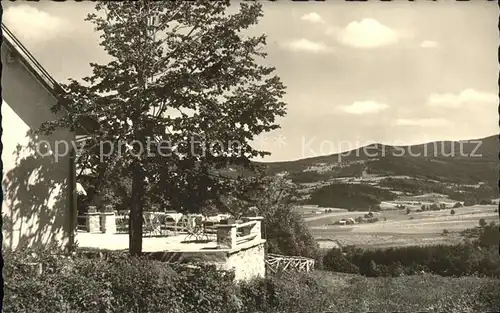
{"x": 364, "y": 107}
{"x": 367, "y": 33}
{"x": 307, "y": 46}
{"x": 332, "y": 30}
{"x": 32, "y": 24}
{"x": 312, "y": 17}
{"x": 423, "y": 122}
{"x": 465, "y": 97}
{"x": 428, "y": 44}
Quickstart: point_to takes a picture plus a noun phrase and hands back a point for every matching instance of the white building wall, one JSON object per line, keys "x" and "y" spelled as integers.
{"x": 36, "y": 206}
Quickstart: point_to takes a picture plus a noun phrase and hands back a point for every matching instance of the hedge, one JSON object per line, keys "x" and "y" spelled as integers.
{"x": 119, "y": 283}
{"x": 122, "y": 284}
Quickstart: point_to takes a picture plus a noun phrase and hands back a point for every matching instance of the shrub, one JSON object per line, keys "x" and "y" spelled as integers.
{"x": 469, "y": 202}
{"x": 123, "y": 284}
{"x": 445, "y": 232}
{"x": 396, "y": 269}
{"x": 482, "y": 222}
{"x": 452, "y": 212}
{"x": 488, "y": 295}
{"x": 350, "y": 196}
{"x": 463, "y": 259}
{"x": 489, "y": 236}
{"x": 116, "y": 284}
{"x": 485, "y": 202}
{"x": 286, "y": 292}
{"x": 284, "y": 229}
{"x": 434, "y": 207}
{"x": 287, "y": 233}
{"x": 335, "y": 261}
{"x": 457, "y": 205}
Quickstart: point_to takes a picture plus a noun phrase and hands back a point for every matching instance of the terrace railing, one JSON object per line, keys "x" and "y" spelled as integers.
{"x": 277, "y": 262}
{"x": 155, "y": 223}
{"x": 232, "y": 235}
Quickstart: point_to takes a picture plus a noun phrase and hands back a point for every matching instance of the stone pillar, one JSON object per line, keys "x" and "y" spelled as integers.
{"x": 108, "y": 222}
{"x": 258, "y": 226}
{"x": 93, "y": 221}
{"x": 226, "y": 236}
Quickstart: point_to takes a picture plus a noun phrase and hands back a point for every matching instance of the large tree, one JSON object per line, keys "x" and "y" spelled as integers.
{"x": 275, "y": 199}
{"x": 184, "y": 80}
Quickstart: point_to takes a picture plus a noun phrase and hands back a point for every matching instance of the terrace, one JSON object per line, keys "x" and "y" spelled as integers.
{"x": 170, "y": 231}
{"x": 176, "y": 238}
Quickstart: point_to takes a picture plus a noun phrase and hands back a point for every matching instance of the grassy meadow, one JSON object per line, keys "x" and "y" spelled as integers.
{"x": 416, "y": 293}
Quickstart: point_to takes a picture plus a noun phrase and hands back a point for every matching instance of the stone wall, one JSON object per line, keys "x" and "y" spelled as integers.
{"x": 248, "y": 262}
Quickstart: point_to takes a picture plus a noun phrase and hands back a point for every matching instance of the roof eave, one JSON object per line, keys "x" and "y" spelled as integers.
{"x": 42, "y": 76}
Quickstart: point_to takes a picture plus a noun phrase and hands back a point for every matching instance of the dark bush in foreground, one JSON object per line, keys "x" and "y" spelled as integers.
{"x": 285, "y": 292}
{"x": 123, "y": 284}
{"x": 288, "y": 234}
{"x": 117, "y": 284}
{"x": 133, "y": 285}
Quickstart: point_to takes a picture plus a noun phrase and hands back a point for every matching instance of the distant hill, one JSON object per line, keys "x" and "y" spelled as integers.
{"x": 465, "y": 162}
{"x": 465, "y": 171}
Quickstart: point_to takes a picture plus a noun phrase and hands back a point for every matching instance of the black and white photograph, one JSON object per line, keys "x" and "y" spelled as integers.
{"x": 250, "y": 156}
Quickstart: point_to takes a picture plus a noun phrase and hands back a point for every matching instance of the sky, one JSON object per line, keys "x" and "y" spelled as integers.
{"x": 397, "y": 73}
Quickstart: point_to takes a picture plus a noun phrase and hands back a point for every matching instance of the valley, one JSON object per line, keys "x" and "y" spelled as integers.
{"x": 411, "y": 198}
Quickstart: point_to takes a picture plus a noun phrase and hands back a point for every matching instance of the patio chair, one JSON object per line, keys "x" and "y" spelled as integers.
{"x": 195, "y": 229}
{"x": 151, "y": 224}
{"x": 122, "y": 223}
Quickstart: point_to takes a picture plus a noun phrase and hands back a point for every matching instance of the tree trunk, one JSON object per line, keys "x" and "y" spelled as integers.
{"x": 136, "y": 210}
{"x": 96, "y": 196}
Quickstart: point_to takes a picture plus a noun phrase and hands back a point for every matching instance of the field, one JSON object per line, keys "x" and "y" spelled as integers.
{"x": 418, "y": 293}
{"x": 399, "y": 229}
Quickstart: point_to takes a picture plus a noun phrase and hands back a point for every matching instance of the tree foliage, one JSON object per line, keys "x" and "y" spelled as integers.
{"x": 349, "y": 196}
{"x": 284, "y": 228}
{"x": 182, "y": 98}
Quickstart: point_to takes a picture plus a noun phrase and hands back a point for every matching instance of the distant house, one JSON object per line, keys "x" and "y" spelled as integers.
{"x": 38, "y": 188}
